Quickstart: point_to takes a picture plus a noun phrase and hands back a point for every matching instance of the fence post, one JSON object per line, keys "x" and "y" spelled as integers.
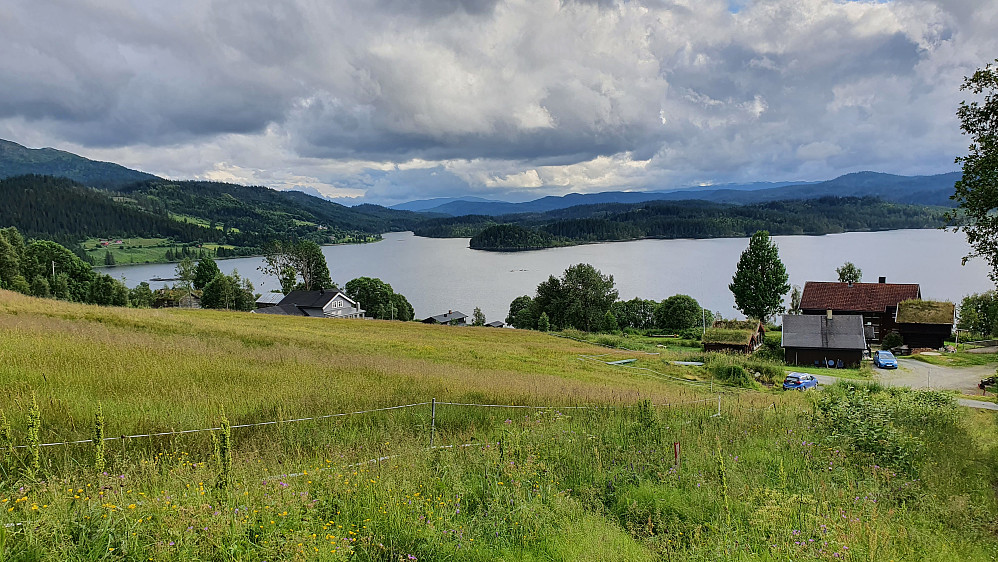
{"x": 433, "y": 419}
{"x": 718, "y": 414}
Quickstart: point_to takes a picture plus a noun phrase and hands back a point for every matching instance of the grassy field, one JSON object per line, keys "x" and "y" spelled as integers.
{"x": 958, "y": 359}
{"x": 845, "y": 474}
{"x": 137, "y": 250}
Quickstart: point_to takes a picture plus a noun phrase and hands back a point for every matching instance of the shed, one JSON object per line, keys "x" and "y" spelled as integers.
{"x": 740, "y": 336}
{"x": 835, "y": 340}
{"x": 925, "y": 323}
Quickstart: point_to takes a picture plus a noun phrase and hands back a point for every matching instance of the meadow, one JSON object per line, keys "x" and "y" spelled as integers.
{"x": 602, "y": 463}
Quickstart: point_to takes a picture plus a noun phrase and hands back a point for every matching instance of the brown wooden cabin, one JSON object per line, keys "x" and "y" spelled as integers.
{"x": 925, "y": 324}
{"x": 877, "y": 302}
{"x": 734, "y": 336}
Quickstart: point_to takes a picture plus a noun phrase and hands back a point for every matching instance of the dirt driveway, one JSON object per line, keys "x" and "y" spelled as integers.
{"x": 917, "y": 374}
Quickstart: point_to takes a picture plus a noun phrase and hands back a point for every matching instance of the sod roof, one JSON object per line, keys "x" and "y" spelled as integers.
{"x": 728, "y": 337}
{"x": 736, "y": 324}
{"x": 925, "y": 312}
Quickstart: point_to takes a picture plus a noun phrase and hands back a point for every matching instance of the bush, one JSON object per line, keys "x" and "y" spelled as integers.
{"x": 891, "y": 341}
{"x": 732, "y": 374}
{"x": 890, "y": 425}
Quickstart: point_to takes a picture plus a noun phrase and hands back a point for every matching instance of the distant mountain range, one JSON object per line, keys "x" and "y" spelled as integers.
{"x": 16, "y": 160}
{"x": 916, "y": 190}
{"x": 130, "y": 202}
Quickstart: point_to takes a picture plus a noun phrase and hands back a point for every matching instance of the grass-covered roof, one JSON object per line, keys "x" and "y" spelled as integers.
{"x": 728, "y": 336}
{"x": 736, "y": 325}
{"x": 925, "y": 312}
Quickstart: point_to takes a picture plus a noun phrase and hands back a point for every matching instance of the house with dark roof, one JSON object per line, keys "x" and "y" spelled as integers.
{"x": 496, "y": 324}
{"x": 925, "y": 324}
{"x": 737, "y": 336}
{"x": 316, "y": 304}
{"x": 452, "y": 317}
{"x": 829, "y": 340}
{"x": 877, "y": 302}
{"x": 267, "y": 300}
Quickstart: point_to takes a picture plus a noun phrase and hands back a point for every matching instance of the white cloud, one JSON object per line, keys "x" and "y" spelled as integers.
{"x": 436, "y": 97}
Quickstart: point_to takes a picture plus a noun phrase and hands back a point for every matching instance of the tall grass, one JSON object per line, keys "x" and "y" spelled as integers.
{"x": 772, "y": 477}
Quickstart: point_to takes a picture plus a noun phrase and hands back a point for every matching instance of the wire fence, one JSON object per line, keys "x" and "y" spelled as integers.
{"x": 433, "y": 403}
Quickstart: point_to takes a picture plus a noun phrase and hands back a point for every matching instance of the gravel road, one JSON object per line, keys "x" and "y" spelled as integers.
{"x": 918, "y": 374}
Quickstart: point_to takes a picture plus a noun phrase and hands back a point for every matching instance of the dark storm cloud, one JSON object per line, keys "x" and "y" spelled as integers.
{"x": 570, "y": 94}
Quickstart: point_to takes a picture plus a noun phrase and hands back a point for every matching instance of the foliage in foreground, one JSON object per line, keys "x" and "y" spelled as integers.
{"x": 773, "y": 477}
{"x": 551, "y": 484}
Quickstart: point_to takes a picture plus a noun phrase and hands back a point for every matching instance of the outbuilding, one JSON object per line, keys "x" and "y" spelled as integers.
{"x": 829, "y": 340}
{"x": 925, "y": 324}
{"x": 736, "y": 336}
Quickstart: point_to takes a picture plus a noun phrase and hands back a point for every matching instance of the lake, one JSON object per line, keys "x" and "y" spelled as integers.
{"x": 441, "y": 274}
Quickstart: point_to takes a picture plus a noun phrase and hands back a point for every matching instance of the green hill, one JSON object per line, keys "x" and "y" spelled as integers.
{"x": 299, "y": 459}
{"x": 58, "y": 208}
{"x": 16, "y": 160}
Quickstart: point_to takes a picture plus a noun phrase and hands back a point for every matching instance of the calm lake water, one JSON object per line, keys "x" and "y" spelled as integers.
{"x": 438, "y": 275}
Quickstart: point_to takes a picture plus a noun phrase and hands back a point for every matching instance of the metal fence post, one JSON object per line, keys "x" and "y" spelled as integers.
{"x": 433, "y": 419}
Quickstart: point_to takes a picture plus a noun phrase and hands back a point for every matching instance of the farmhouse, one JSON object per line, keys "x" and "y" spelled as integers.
{"x": 830, "y": 340}
{"x": 452, "y": 317}
{"x": 925, "y": 323}
{"x": 877, "y": 303}
{"x": 316, "y": 304}
{"x": 741, "y": 336}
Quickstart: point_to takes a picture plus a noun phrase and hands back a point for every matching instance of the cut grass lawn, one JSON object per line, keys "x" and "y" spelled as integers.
{"x": 958, "y": 359}
{"x": 846, "y": 473}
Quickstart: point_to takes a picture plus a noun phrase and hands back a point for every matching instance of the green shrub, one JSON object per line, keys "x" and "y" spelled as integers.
{"x": 763, "y": 372}
{"x": 890, "y": 425}
{"x": 891, "y": 341}
{"x": 732, "y": 374}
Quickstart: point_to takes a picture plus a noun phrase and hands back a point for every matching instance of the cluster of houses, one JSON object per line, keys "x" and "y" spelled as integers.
{"x": 334, "y": 304}
{"x": 839, "y": 322}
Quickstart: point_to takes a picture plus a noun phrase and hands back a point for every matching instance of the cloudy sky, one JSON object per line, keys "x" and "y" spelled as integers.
{"x": 393, "y": 100}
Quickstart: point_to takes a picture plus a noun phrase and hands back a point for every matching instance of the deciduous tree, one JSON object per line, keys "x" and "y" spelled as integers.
{"x": 849, "y": 273}
{"x": 678, "y": 313}
{"x": 204, "y": 272}
{"x": 976, "y": 193}
{"x": 760, "y": 280}
{"x": 477, "y": 317}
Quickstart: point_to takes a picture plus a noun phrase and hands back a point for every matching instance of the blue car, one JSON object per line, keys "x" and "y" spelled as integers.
{"x": 799, "y": 381}
{"x": 885, "y": 360}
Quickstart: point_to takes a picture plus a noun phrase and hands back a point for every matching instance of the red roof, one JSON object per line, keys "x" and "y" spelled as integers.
{"x": 858, "y": 297}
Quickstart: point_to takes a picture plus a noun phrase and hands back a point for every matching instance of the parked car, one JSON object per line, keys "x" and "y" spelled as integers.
{"x": 885, "y": 360}
{"x": 799, "y": 381}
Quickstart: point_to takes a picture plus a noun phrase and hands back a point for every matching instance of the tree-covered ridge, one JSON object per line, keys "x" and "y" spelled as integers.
{"x": 60, "y": 208}
{"x": 255, "y": 215}
{"x": 701, "y": 219}
{"x": 17, "y": 160}
{"x": 511, "y": 237}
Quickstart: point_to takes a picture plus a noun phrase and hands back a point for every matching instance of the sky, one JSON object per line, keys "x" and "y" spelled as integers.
{"x": 387, "y": 101}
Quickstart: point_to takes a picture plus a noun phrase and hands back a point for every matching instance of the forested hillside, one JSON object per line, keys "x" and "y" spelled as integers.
{"x": 256, "y": 215}
{"x": 58, "y": 208}
{"x": 691, "y": 219}
{"x": 17, "y": 160}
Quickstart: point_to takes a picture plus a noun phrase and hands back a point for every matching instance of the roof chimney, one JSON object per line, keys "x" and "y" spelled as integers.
{"x": 882, "y": 280}
{"x": 828, "y": 314}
